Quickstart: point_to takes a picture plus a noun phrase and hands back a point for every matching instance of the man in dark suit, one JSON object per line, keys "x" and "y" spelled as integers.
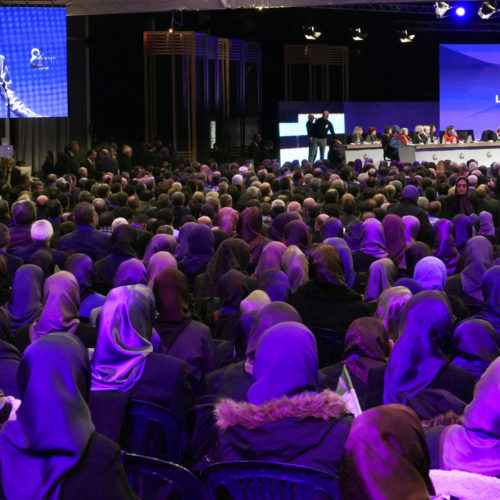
{"x": 90, "y": 163}
{"x": 106, "y": 163}
{"x": 69, "y": 163}
{"x": 13, "y": 262}
{"x": 10, "y": 172}
{"x": 23, "y": 215}
{"x": 86, "y": 239}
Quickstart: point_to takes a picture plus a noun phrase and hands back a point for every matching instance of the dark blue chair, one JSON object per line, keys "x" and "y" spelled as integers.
{"x": 154, "y": 479}
{"x": 152, "y": 430}
{"x": 268, "y": 480}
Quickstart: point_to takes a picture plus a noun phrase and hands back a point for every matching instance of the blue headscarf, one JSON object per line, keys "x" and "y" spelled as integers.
{"x": 201, "y": 241}
{"x": 346, "y": 256}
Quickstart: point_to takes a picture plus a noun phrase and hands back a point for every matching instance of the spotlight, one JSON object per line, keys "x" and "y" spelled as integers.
{"x": 441, "y": 9}
{"x": 171, "y": 30}
{"x": 488, "y": 9}
{"x": 358, "y": 34}
{"x": 460, "y": 11}
{"x": 405, "y": 36}
{"x": 310, "y": 32}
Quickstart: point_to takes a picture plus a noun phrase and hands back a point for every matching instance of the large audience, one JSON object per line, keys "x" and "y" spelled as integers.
{"x": 340, "y": 317}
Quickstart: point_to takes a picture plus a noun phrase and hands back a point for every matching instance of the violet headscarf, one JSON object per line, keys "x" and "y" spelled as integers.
{"x": 353, "y": 235}
{"x": 474, "y": 446}
{"x": 255, "y": 301}
{"x": 124, "y": 338}
{"x": 250, "y": 230}
{"x": 346, "y": 256}
{"x": 158, "y": 243}
{"x": 25, "y": 305}
{"x": 182, "y": 248}
{"x": 227, "y": 220}
{"x": 444, "y": 244}
{"x": 82, "y": 267}
{"x": 366, "y": 346}
{"x": 386, "y": 456}
{"x": 270, "y": 257}
{"x": 130, "y": 272}
{"x": 61, "y": 302}
{"x": 286, "y": 363}
{"x": 270, "y": 315}
{"x": 381, "y": 276}
{"x": 430, "y": 272}
{"x": 373, "y": 240}
{"x": 412, "y": 227}
{"x": 394, "y": 232}
{"x": 413, "y": 285}
{"x": 232, "y": 287}
{"x": 276, "y": 231}
{"x": 478, "y": 259}
{"x": 297, "y": 233}
{"x": 417, "y": 358}
{"x": 53, "y": 425}
{"x": 157, "y": 263}
{"x": 275, "y": 283}
{"x": 332, "y": 228}
{"x": 491, "y": 292}
{"x": 486, "y": 226}
{"x": 389, "y": 306}
{"x": 296, "y": 266}
{"x": 463, "y": 231}
{"x": 201, "y": 241}
{"x": 475, "y": 346}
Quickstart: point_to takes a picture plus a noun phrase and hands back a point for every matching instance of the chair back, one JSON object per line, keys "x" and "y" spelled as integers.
{"x": 253, "y": 480}
{"x": 154, "y": 479}
{"x": 152, "y": 430}
{"x": 330, "y": 345}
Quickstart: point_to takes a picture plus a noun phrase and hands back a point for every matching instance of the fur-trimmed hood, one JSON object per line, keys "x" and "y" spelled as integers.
{"x": 323, "y": 406}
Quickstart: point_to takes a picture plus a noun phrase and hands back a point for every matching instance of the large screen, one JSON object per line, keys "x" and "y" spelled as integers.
{"x": 469, "y": 87}
{"x": 33, "y": 73}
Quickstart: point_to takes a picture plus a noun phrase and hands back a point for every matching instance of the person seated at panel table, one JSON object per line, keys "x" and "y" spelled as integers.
{"x": 371, "y": 136}
{"x": 357, "y": 135}
{"x": 420, "y": 136}
{"x": 404, "y": 137}
{"x": 432, "y": 133}
{"x": 497, "y": 135}
{"x": 450, "y": 136}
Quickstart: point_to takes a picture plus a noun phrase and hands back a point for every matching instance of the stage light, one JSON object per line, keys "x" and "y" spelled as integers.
{"x": 460, "y": 11}
{"x": 358, "y": 34}
{"x": 311, "y": 32}
{"x": 405, "y": 36}
{"x": 441, "y": 9}
{"x": 488, "y": 9}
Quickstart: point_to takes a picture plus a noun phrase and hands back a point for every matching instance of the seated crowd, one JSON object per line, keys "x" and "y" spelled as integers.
{"x": 270, "y": 295}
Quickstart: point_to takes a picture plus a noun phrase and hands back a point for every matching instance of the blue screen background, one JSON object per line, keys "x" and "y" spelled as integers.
{"x": 469, "y": 81}
{"x": 44, "y": 89}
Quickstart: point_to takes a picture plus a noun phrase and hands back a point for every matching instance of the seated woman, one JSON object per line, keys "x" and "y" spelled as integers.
{"x": 130, "y": 272}
{"x": 159, "y": 243}
{"x": 326, "y": 301}
{"x": 450, "y": 136}
{"x": 356, "y": 136}
{"x": 124, "y": 360}
{"x": 181, "y": 337}
{"x": 405, "y": 137}
{"x": 381, "y": 276}
{"x": 371, "y": 136}
{"x": 270, "y": 258}
{"x": 61, "y": 302}
{"x": 295, "y": 265}
{"x": 275, "y": 283}
{"x": 372, "y": 246}
{"x": 460, "y": 202}
{"x": 53, "y": 436}
{"x": 386, "y": 457}
{"x": 286, "y": 419}
{"x": 473, "y": 445}
{"x": 389, "y": 306}
{"x": 490, "y": 287}
{"x": 250, "y": 230}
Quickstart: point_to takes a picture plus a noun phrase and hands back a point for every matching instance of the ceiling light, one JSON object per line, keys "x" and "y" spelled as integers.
{"x": 405, "y": 36}
{"x": 311, "y": 32}
{"x": 488, "y": 9}
{"x": 441, "y": 9}
{"x": 358, "y": 34}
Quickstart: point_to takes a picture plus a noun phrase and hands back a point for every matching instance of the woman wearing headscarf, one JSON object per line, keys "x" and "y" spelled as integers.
{"x": 232, "y": 253}
{"x": 51, "y": 450}
{"x": 25, "y": 305}
{"x": 463, "y": 231}
{"x": 389, "y": 306}
{"x": 270, "y": 258}
{"x": 474, "y": 445}
{"x": 412, "y": 285}
{"x": 372, "y": 246}
{"x": 487, "y": 226}
{"x": 284, "y": 401}
{"x": 82, "y": 268}
{"x": 366, "y": 346}
{"x": 181, "y": 336}
{"x": 430, "y": 272}
{"x": 182, "y": 248}
{"x": 474, "y": 346}
{"x": 460, "y": 202}
{"x": 275, "y": 283}
{"x": 331, "y": 228}
{"x": 130, "y": 272}
{"x": 394, "y": 232}
{"x": 353, "y": 235}
{"x": 61, "y": 302}
{"x": 44, "y": 260}
{"x": 295, "y": 265}
{"x": 158, "y": 243}
{"x": 478, "y": 259}
{"x": 227, "y": 220}
{"x": 490, "y": 287}
{"x": 276, "y": 231}
{"x": 386, "y": 457}
{"x": 5, "y": 292}
{"x": 124, "y": 360}
{"x": 158, "y": 262}
{"x": 381, "y": 276}
{"x": 415, "y": 252}
{"x": 201, "y": 241}
{"x": 325, "y": 301}
{"x": 412, "y": 227}
{"x": 444, "y": 245}
{"x": 346, "y": 256}
{"x": 250, "y": 230}
{"x": 297, "y": 233}
{"x": 419, "y": 374}
{"x": 123, "y": 241}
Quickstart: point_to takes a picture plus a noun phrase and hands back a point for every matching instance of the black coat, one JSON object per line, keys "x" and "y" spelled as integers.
{"x": 86, "y": 240}
{"x": 409, "y": 207}
{"x": 58, "y": 255}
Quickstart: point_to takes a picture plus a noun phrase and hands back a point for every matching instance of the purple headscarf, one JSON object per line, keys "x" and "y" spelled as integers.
{"x": 201, "y": 241}
{"x": 412, "y": 227}
{"x": 26, "y": 300}
{"x": 353, "y": 235}
{"x": 82, "y": 267}
{"x": 373, "y": 240}
{"x": 332, "y": 228}
{"x": 346, "y": 256}
{"x": 444, "y": 244}
{"x": 270, "y": 257}
{"x": 297, "y": 233}
{"x": 486, "y": 226}
{"x": 275, "y": 284}
{"x": 463, "y": 231}
{"x": 250, "y": 230}
{"x": 491, "y": 292}
{"x": 394, "y": 232}
{"x": 227, "y": 220}
{"x": 124, "y": 338}
{"x": 478, "y": 259}
{"x": 381, "y": 276}
{"x": 296, "y": 266}
{"x": 276, "y": 231}
{"x": 182, "y": 248}
{"x": 430, "y": 272}
{"x": 158, "y": 243}
{"x": 158, "y": 262}
{"x": 130, "y": 272}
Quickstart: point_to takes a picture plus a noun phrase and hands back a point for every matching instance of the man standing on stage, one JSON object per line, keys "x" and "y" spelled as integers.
{"x": 321, "y": 128}
{"x": 310, "y": 135}
{"x": 9, "y": 95}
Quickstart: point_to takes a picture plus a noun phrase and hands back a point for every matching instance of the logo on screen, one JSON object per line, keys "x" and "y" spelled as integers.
{"x": 39, "y": 60}
{"x": 496, "y": 99}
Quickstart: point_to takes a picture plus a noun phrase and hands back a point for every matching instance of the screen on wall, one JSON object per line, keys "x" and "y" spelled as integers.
{"x": 33, "y": 72}
{"x": 469, "y": 87}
